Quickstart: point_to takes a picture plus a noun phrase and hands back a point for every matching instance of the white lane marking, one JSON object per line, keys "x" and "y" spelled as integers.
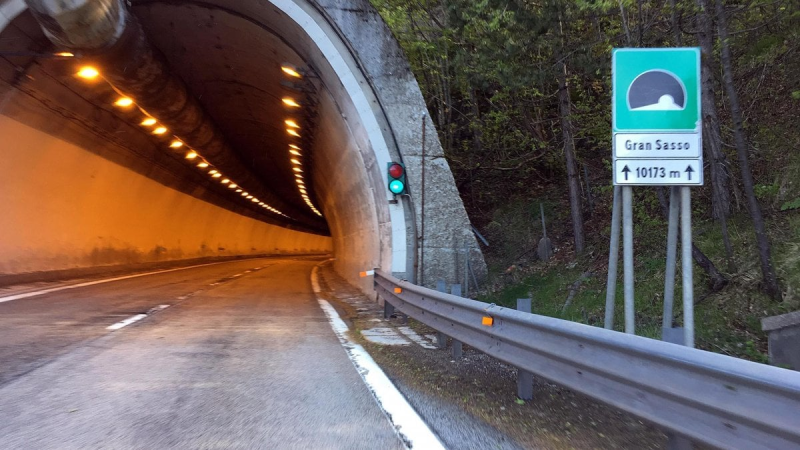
{"x": 108, "y": 280}
{"x": 411, "y": 334}
{"x": 126, "y": 322}
{"x": 136, "y": 318}
{"x": 412, "y": 430}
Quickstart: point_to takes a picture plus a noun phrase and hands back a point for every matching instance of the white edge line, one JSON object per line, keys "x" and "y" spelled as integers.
{"x": 412, "y": 430}
{"x": 126, "y": 322}
{"x": 107, "y": 280}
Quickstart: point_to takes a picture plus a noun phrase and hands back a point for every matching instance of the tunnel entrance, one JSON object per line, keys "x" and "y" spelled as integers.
{"x": 310, "y": 101}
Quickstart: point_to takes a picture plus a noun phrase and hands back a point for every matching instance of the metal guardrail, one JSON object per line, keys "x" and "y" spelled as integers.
{"x": 706, "y": 397}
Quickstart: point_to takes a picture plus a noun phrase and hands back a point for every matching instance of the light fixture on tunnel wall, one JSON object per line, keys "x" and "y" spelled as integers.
{"x": 295, "y": 161}
{"x": 124, "y": 102}
{"x": 288, "y": 101}
{"x": 292, "y": 132}
{"x": 88, "y": 73}
{"x": 295, "y": 152}
{"x": 291, "y": 123}
{"x": 291, "y": 70}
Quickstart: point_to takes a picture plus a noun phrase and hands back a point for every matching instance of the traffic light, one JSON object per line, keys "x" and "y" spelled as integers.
{"x": 397, "y": 178}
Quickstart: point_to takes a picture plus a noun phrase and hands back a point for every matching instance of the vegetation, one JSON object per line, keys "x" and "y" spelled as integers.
{"x": 520, "y": 93}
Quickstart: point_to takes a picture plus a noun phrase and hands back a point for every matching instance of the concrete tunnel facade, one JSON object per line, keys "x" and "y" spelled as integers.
{"x": 86, "y": 185}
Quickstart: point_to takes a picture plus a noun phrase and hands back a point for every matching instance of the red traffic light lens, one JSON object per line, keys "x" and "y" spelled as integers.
{"x": 396, "y": 170}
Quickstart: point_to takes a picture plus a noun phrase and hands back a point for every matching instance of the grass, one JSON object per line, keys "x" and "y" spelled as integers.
{"x": 727, "y": 322}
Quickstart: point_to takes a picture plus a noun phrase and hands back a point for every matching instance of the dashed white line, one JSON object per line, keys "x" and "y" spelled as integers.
{"x": 136, "y": 318}
{"x": 412, "y": 430}
{"x": 126, "y": 322}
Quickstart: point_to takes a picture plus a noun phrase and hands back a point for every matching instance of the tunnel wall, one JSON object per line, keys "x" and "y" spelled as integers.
{"x": 65, "y": 207}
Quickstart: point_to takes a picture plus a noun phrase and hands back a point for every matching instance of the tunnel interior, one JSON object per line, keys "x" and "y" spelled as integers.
{"x": 219, "y": 128}
{"x": 262, "y": 80}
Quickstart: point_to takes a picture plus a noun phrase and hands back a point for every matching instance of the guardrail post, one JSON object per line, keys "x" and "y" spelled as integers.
{"x": 441, "y": 338}
{"x": 456, "y": 349}
{"x": 388, "y": 309}
{"x": 524, "y": 378}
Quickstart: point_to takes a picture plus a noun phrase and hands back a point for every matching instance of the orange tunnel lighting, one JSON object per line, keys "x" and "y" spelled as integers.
{"x": 89, "y": 73}
{"x": 149, "y": 122}
{"x": 160, "y": 130}
{"x": 291, "y": 124}
{"x": 288, "y": 101}
{"x": 176, "y": 144}
{"x": 123, "y": 102}
{"x": 193, "y": 155}
{"x": 292, "y": 132}
{"x": 202, "y": 164}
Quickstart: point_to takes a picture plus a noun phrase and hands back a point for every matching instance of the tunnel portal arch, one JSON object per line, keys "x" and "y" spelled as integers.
{"x": 369, "y": 112}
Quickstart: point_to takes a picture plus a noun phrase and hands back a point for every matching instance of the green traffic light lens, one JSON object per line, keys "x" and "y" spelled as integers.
{"x": 396, "y": 186}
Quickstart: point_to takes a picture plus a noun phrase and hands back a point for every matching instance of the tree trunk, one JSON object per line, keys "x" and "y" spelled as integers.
{"x": 718, "y": 164}
{"x": 770, "y": 282}
{"x": 676, "y": 29}
{"x": 575, "y": 205}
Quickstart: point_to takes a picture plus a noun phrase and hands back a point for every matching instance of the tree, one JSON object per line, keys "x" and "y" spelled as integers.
{"x": 770, "y": 281}
{"x": 712, "y": 138}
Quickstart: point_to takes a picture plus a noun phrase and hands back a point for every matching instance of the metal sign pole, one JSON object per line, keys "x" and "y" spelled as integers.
{"x": 672, "y": 250}
{"x": 686, "y": 266}
{"x": 627, "y": 257}
{"x": 613, "y": 259}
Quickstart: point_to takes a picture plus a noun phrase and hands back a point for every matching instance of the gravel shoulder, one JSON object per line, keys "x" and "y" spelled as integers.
{"x": 472, "y": 403}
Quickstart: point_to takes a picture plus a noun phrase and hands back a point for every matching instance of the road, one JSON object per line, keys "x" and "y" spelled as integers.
{"x": 243, "y": 357}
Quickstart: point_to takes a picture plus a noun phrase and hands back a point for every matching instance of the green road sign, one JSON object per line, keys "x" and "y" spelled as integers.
{"x": 656, "y": 89}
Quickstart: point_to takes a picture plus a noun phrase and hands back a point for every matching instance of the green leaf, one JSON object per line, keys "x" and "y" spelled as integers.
{"x": 520, "y": 401}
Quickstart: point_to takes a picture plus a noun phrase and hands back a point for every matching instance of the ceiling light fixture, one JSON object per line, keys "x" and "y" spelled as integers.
{"x": 288, "y": 101}
{"x": 160, "y": 130}
{"x": 123, "y": 102}
{"x": 176, "y": 144}
{"x": 192, "y": 155}
{"x": 202, "y": 164}
{"x": 292, "y": 132}
{"x": 291, "y": 70}
{"x": 149, "y": 122}
{"x": 89, "y": 73}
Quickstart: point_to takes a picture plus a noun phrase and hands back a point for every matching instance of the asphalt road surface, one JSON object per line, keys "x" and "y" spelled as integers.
{"x": 243, "y": 357}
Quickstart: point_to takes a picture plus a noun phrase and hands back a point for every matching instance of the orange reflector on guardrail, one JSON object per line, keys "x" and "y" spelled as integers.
{"x": 398, "y": 290}
{"x": 366, "y": 273}
{"x": 488, "y": 321}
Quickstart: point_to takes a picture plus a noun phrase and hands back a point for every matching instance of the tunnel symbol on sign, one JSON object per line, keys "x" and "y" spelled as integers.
{"x": 657, "y": 90}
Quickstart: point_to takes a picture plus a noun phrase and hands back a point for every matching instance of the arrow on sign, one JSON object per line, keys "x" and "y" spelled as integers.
{"x": 626, "y": 171}
{"x": 688, "y": 171}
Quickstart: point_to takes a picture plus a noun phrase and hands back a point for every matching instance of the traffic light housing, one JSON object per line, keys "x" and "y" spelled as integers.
{"x": 397, "y": 178}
